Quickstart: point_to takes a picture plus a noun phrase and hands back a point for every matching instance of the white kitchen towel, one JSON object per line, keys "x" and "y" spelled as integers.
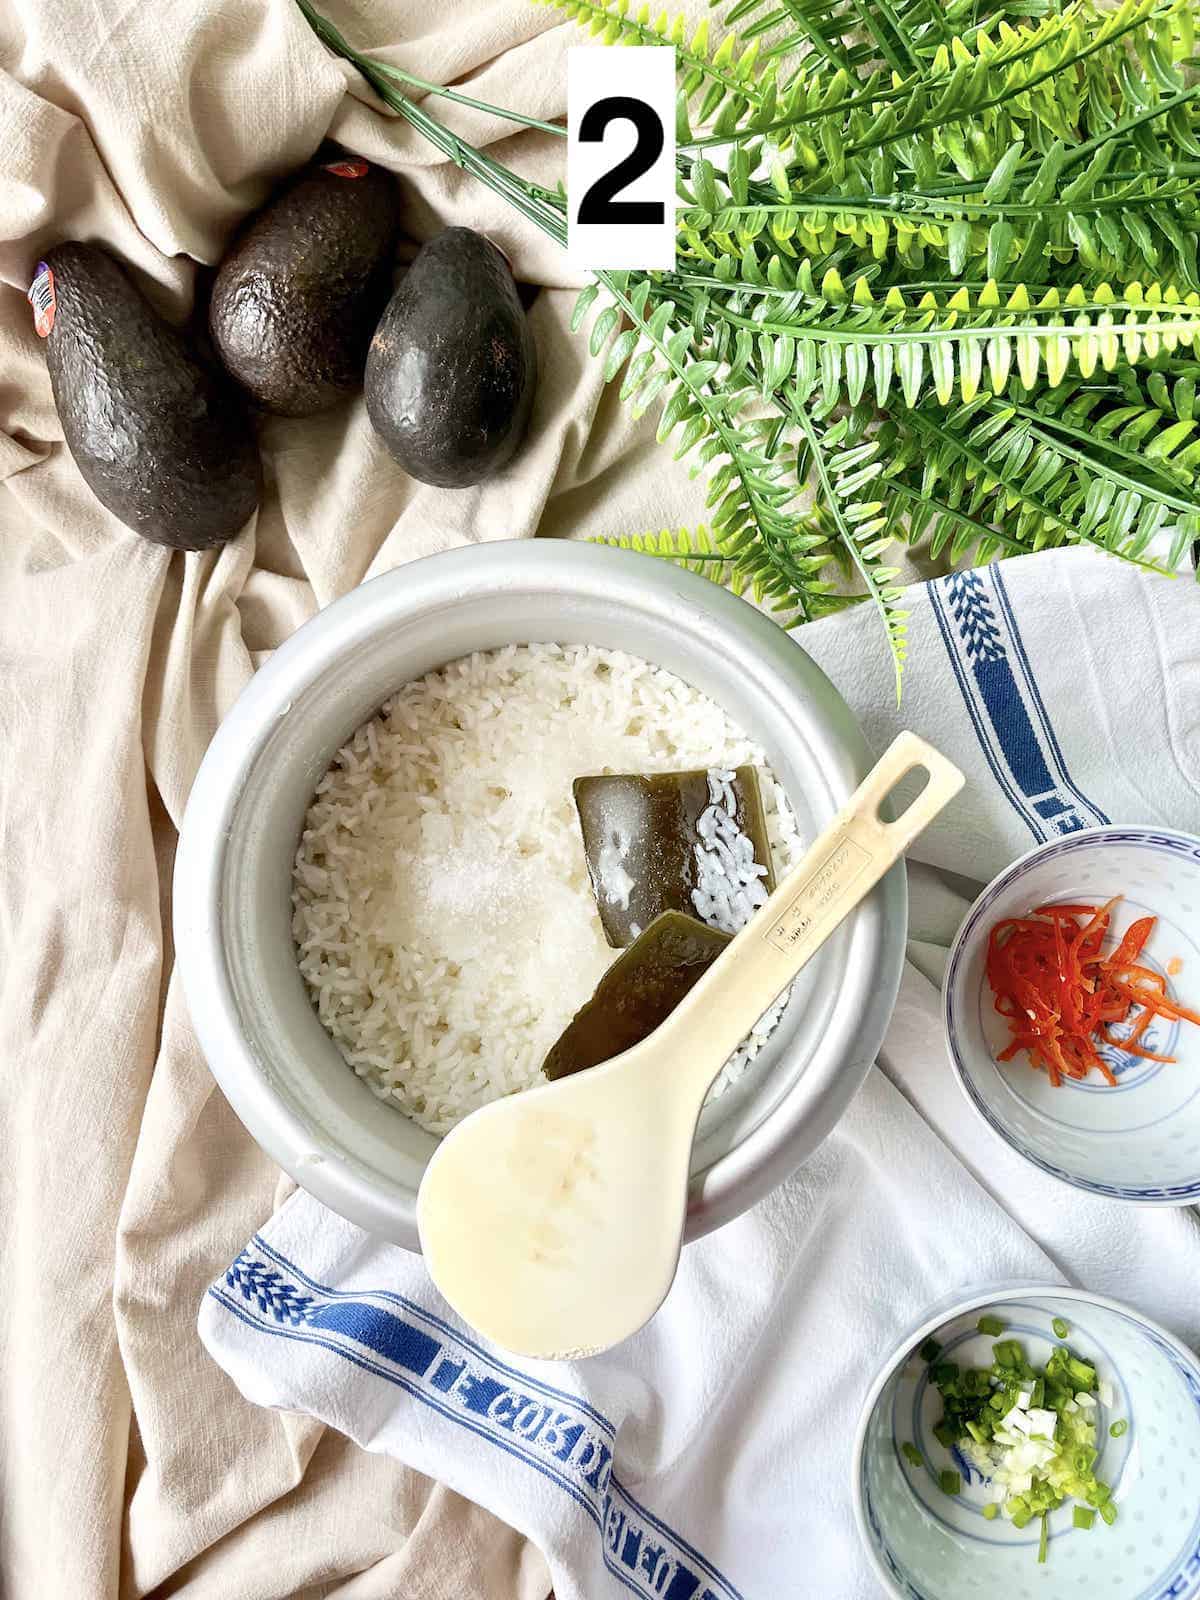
{"x": 708, "y": 1457}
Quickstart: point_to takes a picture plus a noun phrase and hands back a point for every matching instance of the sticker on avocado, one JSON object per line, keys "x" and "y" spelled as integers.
{"x": 42, "y": 298}
{"x": 355, "y": 168}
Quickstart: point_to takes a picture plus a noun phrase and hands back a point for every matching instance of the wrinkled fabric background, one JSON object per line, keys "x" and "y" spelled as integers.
{"x": 129, "y": 1464}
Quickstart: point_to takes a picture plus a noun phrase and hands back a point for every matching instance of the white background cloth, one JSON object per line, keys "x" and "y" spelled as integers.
{"x": 715, "y": 1445}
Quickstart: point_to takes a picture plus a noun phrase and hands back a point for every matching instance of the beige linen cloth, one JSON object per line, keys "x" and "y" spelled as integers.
{"x": 129, "y": 1465}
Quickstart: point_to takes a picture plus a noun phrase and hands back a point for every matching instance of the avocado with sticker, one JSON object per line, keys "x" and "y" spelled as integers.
{"x": 159, "y": 434}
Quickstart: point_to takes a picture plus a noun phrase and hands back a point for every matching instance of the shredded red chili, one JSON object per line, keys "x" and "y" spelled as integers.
{"x": 1062, "y": 995}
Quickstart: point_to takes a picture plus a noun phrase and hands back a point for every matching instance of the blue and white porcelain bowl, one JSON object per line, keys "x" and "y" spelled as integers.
{"x": 1140, "y": 1139}
{"x": 927, "y": 1545}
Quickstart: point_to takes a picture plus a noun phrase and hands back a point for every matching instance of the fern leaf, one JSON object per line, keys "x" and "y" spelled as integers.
{"x": 840, "y": 477}
{"x": 716, "y": 74}
{"x": 693, "y": 549}
{"x": 940, "y": 342}
{"x": 750, "y": 493}
{"x": 1034, "y": 486}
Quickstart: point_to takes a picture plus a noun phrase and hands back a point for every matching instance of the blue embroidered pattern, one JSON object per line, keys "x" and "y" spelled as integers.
{"x": 264, "y": 1286}
{"x": 988, "y": 657}
{"x": 558, "y": 1435}
{"x": 973, "y": 615}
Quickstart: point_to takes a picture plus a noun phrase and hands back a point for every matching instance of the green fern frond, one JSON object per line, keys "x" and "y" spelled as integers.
{"x": 721, "y": 79}
{"x": 1074, "y": 137}
{"x": 842, "y": 476}
{"x": 741, "y": 565}
{"x": 789, "y": 26}
{"x": 1124, "y": 423}
{"x": 1120, "y": 224}
{"x": 694, "y": 549}
{"x": 851, "y": 34}
{"x": 1136, "y": 459}
{"x": 938, "y": 280}
{"x": 847, "y": 33}
{"x": 836, "y": 345}
{"x": 1031, "y": 485}
{"x": 750, "y": 495}
{"x": 1173, "y": 391}
{"x": 1058, "y": 77}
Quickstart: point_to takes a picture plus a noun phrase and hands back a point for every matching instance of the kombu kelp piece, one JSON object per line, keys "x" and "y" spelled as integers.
{"x": 641, "y": 989}
{"x": 694, "y": 842}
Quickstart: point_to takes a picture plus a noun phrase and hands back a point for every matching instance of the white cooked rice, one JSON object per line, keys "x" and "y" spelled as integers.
{"x": 444, "y": 919}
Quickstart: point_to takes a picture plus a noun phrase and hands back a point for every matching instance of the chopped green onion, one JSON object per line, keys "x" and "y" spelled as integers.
{"x": 990, "y": 1325}
{"x": 998, "y": 1414}
{"x": 1083, "y": 1458}
{"x": 911, "y": 1453}
{"x": 930, "y": 1350}
{"x": 1084, "y": 1376}
{"x": 1061, "y": 1328}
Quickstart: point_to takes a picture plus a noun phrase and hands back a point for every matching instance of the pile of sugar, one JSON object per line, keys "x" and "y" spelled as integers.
{"x": 443, "y": 916}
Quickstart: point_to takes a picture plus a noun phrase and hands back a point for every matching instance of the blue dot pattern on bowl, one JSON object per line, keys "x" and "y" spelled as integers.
{"x": 1152, "y": 1552}
{"x": 1149, "y": 1151}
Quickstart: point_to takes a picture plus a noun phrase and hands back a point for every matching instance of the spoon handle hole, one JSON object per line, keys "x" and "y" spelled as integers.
{"x": 905, "y": 791}
{"x": 912, "y": 782}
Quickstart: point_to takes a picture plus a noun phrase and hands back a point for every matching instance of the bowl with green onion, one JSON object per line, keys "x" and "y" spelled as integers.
{"x": 1028, "y": 1441}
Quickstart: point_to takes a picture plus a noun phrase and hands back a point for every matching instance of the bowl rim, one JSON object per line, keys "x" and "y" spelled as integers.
{"x": 945, "y": 1310}
{"x": 768, "y": 1153}
{"x": 1176, "y": 1194}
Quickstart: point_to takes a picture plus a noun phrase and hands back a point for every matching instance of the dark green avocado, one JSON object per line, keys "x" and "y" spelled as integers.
{"x": 296, "y": 300}
{"x": 161, "y": 438}
{"x": 452, "y": 367}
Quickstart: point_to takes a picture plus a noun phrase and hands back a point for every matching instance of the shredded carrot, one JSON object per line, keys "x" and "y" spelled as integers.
{"x": 1061, "y": 995}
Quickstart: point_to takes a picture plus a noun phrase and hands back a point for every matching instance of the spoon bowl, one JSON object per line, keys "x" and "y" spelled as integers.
{"x": 613, "y": 1134}
{"x": 552, "y": 1221}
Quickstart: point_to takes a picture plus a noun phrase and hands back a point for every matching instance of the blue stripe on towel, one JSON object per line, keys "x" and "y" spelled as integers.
{"x": 431, "y": 1320}
{"x": 559, "y": 1435}
{"x": 995, "y": 677}
{"x": 1100, "y": 819}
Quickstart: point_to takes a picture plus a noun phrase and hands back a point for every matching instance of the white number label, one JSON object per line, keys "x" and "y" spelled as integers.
{"x": 621, "y": 157}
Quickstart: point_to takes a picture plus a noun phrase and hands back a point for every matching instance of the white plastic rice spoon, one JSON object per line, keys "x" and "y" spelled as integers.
{"x": 552, "y": 1221}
